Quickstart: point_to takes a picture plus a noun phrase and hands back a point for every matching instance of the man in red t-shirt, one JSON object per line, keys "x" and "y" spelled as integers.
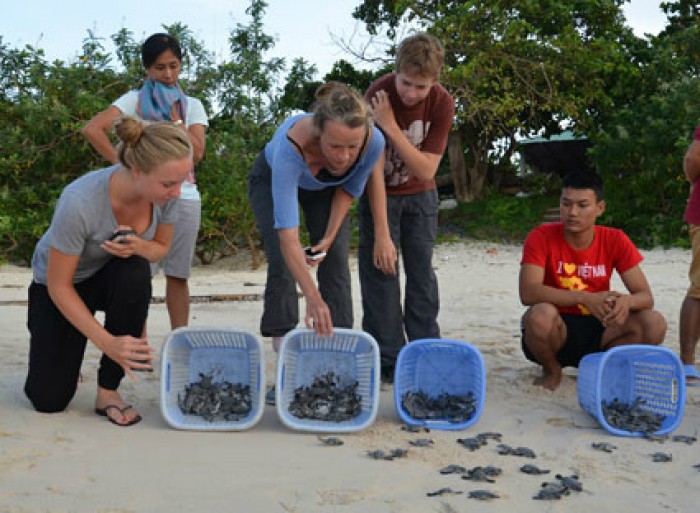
{"x": 565, "y": 280}
{"x": 690, "y": 310}
{"x": 415, "y": 113}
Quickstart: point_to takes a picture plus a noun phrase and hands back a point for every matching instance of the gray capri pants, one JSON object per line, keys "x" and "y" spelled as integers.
{"x": 178, "y": 262}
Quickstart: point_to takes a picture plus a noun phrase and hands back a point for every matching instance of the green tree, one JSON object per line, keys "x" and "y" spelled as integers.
{"x": 517, "y": 67}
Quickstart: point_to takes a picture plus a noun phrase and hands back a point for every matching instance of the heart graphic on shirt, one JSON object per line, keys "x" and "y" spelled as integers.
{"x": 569, "y": 268}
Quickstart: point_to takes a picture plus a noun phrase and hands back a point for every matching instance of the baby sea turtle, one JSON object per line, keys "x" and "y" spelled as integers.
{"x": 470, "y": 443}
{"x": 482, "y": 495}
{"x": 449, "y": 407}
{"x": 453, "y": 469}
{"x": 551, "y": 491}
{"x": 328, "y": 398}
{"x": 631, "y": 417}
{"x": 399, "y": 453}
{"x": 414, "y": 429}
{"x": 478, "y": 474}
{"x": 443, "y": 491}
{"x": 489, "y": 435}
{"x": 533, "y": 470}
{"x": 421, "y": 442}
{"x": 524, "y": 452}
{"x": 656, "y": 438}
{"x": 690, "y": 440}
{"x": 603, "y": 446}
{"x": 661, "y": 457}
{"x": 697, "y": 466}
{"x": 331, "y": 441}
{"x": 570, "y": 482}
{"x": 379, "y": 455}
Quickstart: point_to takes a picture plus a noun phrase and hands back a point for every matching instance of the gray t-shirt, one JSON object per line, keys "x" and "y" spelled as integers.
{"x": 83, "y": 220}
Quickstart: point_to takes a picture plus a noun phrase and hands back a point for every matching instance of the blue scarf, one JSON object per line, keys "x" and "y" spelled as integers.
{"x": 156, "y": 101}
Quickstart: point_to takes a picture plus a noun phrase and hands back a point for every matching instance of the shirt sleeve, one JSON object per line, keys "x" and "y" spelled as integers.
{"x": 68, "y": 232}
{"x": 286, "y": 171}
{"x": 628, "y": 256}
{"x": 127, "y": 103}
{"x": 196, "y": 114}
{"x": 534, "y": 249}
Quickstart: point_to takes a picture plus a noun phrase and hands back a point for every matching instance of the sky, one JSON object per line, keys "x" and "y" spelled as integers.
{"x": 303, "y": 28}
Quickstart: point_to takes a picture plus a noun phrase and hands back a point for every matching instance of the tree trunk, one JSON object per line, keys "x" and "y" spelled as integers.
{"x": 458, "y": 166}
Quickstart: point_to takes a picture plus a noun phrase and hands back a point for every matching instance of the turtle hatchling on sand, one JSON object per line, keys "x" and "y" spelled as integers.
{"x": 690, "y": 440}
{"x": 603, "y": 446}
{"x": 533, "y": 470}
{"x": 421, "y": 442}
{"x": 524, "y": 452}
{"x": 551, "y": 491}
{"x": 453, "y": 469}
{"x": 571, "y": 482}
{"x": 482, "y": 495}
{"x": 330, "y": 441}
{"x": 443, "y": 491}
{"x": 482, "y": 473}
{"x": 489, "y": 435}
{"x": 661, "y": 457}
{"x": 697, "y": 466}
{"x": 471, "y": 443}
{"x": 414, "y": 429}
{"x": 478, "y": 474}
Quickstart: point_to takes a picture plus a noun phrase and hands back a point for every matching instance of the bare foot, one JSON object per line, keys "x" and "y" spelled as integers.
{"x": 111, "y": 404}
{"x": 550, "y": 379}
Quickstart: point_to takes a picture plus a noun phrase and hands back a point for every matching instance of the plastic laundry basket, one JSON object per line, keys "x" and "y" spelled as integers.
{"x": 227, "y": 354}
{"x": 626, "y": 373}
{"x": 436, "y": 366}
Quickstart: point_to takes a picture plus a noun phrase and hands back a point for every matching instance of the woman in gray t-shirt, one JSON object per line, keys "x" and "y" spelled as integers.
{"x": 108, "y": 225}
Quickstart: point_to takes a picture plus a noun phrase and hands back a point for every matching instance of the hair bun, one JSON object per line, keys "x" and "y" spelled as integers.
{"x": 129, "y": 129}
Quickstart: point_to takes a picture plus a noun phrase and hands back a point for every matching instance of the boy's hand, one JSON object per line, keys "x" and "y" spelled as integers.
{"x": 382, "y": 112}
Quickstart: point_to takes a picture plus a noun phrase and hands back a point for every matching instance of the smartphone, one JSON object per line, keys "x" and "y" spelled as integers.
{"x": 120, "y": 235}
{"x": 313, "y": 255}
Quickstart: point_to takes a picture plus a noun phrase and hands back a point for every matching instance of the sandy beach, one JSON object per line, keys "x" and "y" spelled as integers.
{"x": 76, "y": 461}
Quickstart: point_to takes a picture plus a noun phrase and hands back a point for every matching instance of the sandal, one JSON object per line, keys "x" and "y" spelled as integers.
{"x": 104, "y": 412}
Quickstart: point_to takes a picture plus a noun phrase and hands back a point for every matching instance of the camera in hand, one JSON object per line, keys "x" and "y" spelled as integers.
{"x": 313, "y": 255}
{"x": 120, "y": 235}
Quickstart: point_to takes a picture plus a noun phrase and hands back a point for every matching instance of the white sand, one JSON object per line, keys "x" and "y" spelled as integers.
{"x": 76, "y": 461}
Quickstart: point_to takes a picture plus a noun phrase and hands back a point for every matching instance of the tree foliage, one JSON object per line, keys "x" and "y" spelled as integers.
{"x": 45, "y": 104}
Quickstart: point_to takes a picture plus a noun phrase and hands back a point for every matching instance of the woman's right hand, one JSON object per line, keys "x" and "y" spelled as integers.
{"x": 131, "y": 354}
{"x": 318, "y": 316}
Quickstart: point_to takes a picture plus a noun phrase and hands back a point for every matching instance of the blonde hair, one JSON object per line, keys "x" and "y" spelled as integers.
{"x": 145, "y": 145}
{"x": 337, "y": 101}
{"x": 421, "y": 54}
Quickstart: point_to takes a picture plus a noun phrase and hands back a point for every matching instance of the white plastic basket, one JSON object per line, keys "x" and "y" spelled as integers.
{"x": 226, "y": 354}
{"x": 349, "y": 354}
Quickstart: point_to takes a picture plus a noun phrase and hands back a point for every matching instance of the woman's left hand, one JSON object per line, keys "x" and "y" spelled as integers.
{"x": 122, "y": 246}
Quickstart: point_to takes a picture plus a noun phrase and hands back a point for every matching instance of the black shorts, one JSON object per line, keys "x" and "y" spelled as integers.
{"x": 583, "y": 336}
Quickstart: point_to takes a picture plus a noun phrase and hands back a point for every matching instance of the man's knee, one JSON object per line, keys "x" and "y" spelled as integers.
{"x": 654, "y": 327}
{"x": 541, "y": 319}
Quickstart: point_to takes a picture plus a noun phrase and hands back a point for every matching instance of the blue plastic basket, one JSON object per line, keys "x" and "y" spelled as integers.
{"x": 654, "y": 374}
{"x": 350, "y": 354}
{"x": 436, "y": 366}
{"x": 228, "y": 355}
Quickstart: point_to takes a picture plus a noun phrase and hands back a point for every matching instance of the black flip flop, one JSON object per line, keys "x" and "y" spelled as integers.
{"x": 103, "y": 412}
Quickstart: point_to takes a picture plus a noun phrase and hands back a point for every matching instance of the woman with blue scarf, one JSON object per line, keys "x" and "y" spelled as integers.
{"x": 162, "y": 99}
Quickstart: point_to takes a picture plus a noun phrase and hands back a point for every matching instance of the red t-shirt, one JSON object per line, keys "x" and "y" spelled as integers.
{"x": 692, "y": 208}
{"x": 572, "y": 269}
{"x": 426, "y": 125}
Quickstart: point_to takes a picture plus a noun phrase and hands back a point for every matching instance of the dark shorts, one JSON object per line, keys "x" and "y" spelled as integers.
{"x": 583, "y": 336}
